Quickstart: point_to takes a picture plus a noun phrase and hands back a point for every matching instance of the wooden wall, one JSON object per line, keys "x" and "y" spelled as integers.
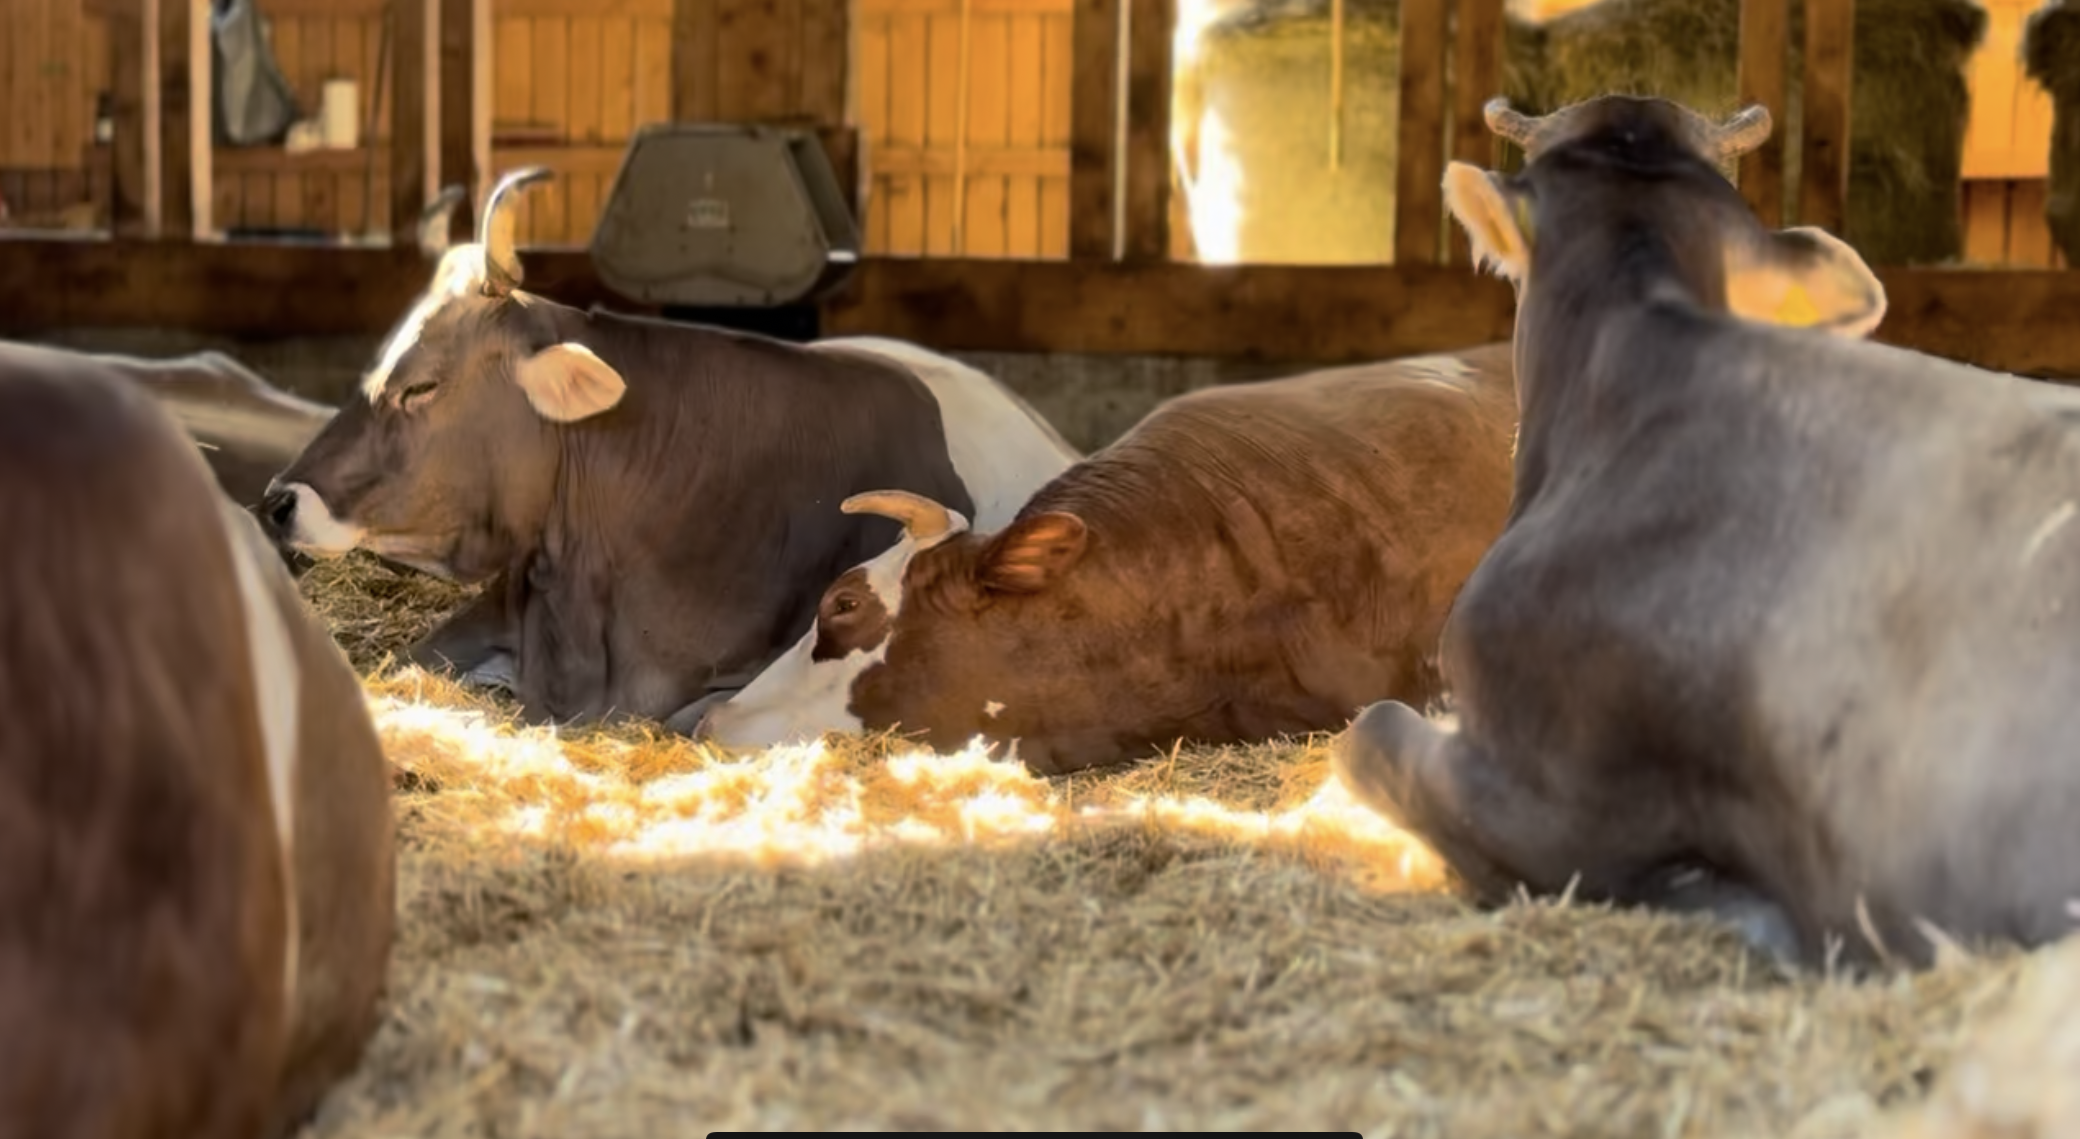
{"x": 988, "y": 179}
{"x": 53, "y": 61}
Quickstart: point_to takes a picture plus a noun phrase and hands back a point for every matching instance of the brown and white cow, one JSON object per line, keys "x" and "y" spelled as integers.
{"x": 1785, "y": 625}
{"x": 651, "y": 504}
{"x": 1248, "y": 562}
{"x": 196, "y": 856}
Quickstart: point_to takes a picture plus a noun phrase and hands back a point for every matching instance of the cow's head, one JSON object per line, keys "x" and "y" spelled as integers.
{"x": 446, "y": 458}
{"x": 948, "y": 631}
{"x": 1627, "y": 177}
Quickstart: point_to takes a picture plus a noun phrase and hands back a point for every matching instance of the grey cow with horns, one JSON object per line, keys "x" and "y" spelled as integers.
{"x": 1784, "y": 624}
{"x": 652, "y": 506}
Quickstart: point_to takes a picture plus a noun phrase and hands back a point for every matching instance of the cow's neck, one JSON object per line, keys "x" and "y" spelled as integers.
{"x": 1583, "y": 291}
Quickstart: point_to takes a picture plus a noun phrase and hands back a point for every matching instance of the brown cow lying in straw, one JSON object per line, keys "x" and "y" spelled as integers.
{"x": 196, "y": 857}
{"x": 1248, "y": 562}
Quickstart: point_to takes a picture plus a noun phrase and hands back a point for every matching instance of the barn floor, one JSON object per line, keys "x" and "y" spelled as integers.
{"x": 610, "y": 934}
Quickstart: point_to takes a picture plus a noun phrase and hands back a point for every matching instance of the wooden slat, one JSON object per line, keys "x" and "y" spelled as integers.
{"x": 591, "y": 161}
{"x": 984, "y": 230}
{"x": 994, "y": 162}
{"x": 597, "y": 9}
{"x": 825, "y": 59}
{"x": 656, "y": 56}
{"x": 1823, "y": 172}
{"x": 2029, "y": 232}
{"x": 587, "y": 80}
{"x": 410, "y": 48}
{"x": 1094, "y": 83}
{"x": 279, "y": 10}
{"x": 1476, "y": 78}
{"x": 458, "y": 112}
{"x": 1152, "y": 27}
{"x": 1058, "y": 68}
{"x": 1765, "y": 32}
{"x": 756, "y": 68}
{"x": 941, "y": 129}
{"x": 873, "y": 95}
{"x": 904, "y": 196}
{"x": 617, "y": 107}
{"x": 1027, "y": 96}
{"x": 176, "y": 187}
{"x": 126, "y": 90}
{"x": 695, "y": 55}
{"x": 953, "y": 7}
{"x": 1419, "y": 162}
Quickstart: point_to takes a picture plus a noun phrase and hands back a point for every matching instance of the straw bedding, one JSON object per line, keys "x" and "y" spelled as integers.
{"x": 612, "y": 933}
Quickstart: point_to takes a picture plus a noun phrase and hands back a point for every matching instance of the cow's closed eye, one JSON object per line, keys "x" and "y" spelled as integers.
{"x": 843, "y": 605}
{"x": 416, "y": 395}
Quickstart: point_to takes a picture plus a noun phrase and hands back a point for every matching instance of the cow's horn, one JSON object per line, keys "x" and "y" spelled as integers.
{"x": 1743, "y": 132}
{"x": 436, "y": 219}
{"x": 922, "y": 518}
{"x": 1513, "y": 125}
{"x": 495, "y": 232}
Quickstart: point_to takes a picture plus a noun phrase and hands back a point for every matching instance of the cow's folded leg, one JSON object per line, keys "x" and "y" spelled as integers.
{"x": 474, "y": 643}
{"x": 687, "y": 721}
{"x": 1390, "y": 760}
{"x": 1760, "y": 920}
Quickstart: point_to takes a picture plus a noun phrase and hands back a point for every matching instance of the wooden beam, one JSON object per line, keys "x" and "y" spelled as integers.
{"x": 1419, "y": 156}
{"x": 177, "y": 99}
{"x": 1094, "y": 54}
{"x": 202, "y": 142}
{"x": 414, "y": 143}
{"x": 1823, "y": 173}
{"x": 695, "y": 52}
{"x": 826, "y": 61}
{"x": 458, "y": 106}
{"x": 1476, "y": 78}
{"x": 1765, "y": 35}
{"x": 133, "y": 80}
{"x": 1152, "y": 25}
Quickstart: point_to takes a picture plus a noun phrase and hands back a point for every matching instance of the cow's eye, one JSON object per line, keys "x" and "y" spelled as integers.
{"x": 416, "y": 394}
{"x": 844, "y": 605}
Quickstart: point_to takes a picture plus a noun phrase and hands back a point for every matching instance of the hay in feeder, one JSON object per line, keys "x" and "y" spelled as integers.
{"x": 610, "y": 934}
{"x": 2051, "y": 55}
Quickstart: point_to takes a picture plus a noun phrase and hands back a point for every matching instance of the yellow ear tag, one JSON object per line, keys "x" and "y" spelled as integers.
{"x": 1522, "y": 209}
{"x": 1797, "y": 309}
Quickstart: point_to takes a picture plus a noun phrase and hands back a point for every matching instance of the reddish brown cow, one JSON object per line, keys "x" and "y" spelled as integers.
{"x": 195, "y": 833}
{"x": 1248, "y": 562}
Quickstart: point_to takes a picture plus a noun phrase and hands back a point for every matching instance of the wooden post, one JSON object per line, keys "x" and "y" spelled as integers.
{"x": 695, "y": 42}
{"x": 413, "y": 51}
{"x": 1094, "y": 53}
{"x": 1151, "y": 30}
{"x": 457, "y": 111}
{"x": 1765, "y": 30}
{"x": 178, "y": 101}
{"x": 1823, "y": 178}
{"x": 202, "y": 140}
{"x": 1476, "y": 78}
{"x": 133, "y": 79}
{"x": 1419, "y": 159}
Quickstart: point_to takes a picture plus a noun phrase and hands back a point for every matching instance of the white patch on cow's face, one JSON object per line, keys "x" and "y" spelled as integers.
{"x": 314, "y": 531}
{"x": 461, "y": 270}
{"x": 796, "y": 699}
{"x": 277, "y": 682}
{"x": 992, "y": 708}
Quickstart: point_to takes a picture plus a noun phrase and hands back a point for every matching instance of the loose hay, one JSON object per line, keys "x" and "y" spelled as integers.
{"x": 616, "y": 933}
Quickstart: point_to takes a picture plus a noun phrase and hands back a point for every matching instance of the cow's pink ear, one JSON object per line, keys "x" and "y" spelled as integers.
{"x": 566, "y": 383}
{"x": 1031, "y": 553}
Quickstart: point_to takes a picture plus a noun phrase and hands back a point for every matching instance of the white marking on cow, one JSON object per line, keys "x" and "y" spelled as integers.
{"x": 461, "y": 269}
{"x": 992, "y": 708}
{"x": 2049, "y": 526}
{"x": 1001, "y": 448}
{"x": 497, "y": 671}
{"x": 797, "y": 699}
{"x": 313, "y": 529}
{"x": 277, "y": 680}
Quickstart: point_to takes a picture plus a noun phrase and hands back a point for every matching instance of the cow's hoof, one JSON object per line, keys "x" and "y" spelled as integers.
{"x": 692, "y": 720}
{"x": 1372, "y": 759}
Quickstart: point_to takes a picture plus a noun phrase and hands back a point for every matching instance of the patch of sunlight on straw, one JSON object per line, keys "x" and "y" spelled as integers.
{"x": 651, "y": 798}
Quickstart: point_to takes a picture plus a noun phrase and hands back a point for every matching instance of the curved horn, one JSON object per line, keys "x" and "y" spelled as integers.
{"x": 1743, "y": 132}
{"x": 495, "y": 231}
{"x": 436, "y": 218}
{"x": 1515, "y": 126}
{"x": 922, "y": 518}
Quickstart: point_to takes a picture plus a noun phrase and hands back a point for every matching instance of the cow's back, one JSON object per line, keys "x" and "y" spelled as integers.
{"x": 141, "y": 963}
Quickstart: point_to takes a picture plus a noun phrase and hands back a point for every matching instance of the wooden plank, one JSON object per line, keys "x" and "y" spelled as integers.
{"x": 1151, "y": 28}
{"x": 1476, "y": 78}
{"x": 414, "y": 47}
{"x": 591, "y": 160}
{"x": 941, "y": 131}
{"x": 458, "y": 114}
{"x": 176, "y": 142}
{"x": 321, "y": 201}
{"x": 617, "y": 105}
{"x": 27, "y": 140}
{"x": 71, "y": 103}
{"x": 904, "y": 197}
{"x": 597, "y": 9}
{"x": 127, "y": 115}
{"x": 993, "y": 162}
{"x": 824, "y": 59}
{"x": 1823, "y": 177}
{"x": 873, "y": 115}
{"x": 282, "y": 10}
{"x": 2029, "y": 232}
{"x": 587, "y": 80}
{"x": 513, "y": 99}
{"x": 1419, "y": 165}
{"x": 984, "y": 224}
{"x": 758, "y": 74}
{"x": 549, "y": 78}
{"x": 1027, "y": 99}
{"x": 980, "y": 7}
{"x": 657, "y": 55}
{"x": 1094, "y": 86}
{"x": 695, "y": 60}
{"x": 1764, "y": 42}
